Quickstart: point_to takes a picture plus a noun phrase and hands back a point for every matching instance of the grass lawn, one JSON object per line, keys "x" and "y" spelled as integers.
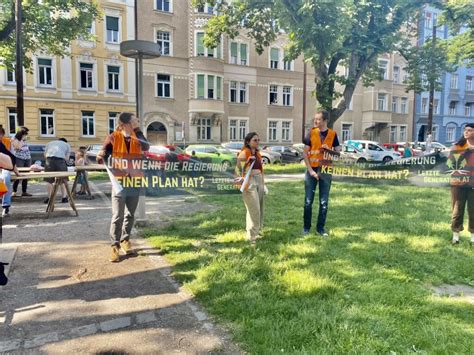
{"x": 365, "y": 289}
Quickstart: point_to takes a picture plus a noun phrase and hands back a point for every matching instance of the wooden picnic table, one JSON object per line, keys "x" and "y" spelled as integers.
{"x": 78, "y": 172}
{"x": 60, "y": 178}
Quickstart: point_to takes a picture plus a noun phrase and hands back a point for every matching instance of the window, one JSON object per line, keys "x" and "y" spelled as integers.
{"x": 454, "y": 81}
{"x": 11, "y": 76}
{"x": 205, "y": 8}
{"x": 287, "y": 96}
{"x": 346, "y": 131}
{"x": 12, "y": 120}
{"x": 243, "y": 92}
{"x": 238, "y": 53}
{"x": 396, "y": 75}
{"x": 434, "y": 133}
{"x": 428, "y": 19}
{"x": 469, "y": 86}
{"x": 209, "y": 87}
{"x": 404, "y": 105}
{"x": 87, "y": 75}
{"x": 163, "y": 82}
{"x": 88, "y": 124}
{"x": 203, "y": 51}
{"x": 112, "y": 26}
{"x": 436, "y": 106}
{"x": 112, "y": 121}
{"x": 273, "y": 95}
{"x": 272, "y": 130}
{"x": 394, "y": 104}
{"x": 45, "y": 72}
{"x": 163, "y": 5}
{"x": 274, "y": 58}
{"x": 287, "y": 64}
{"x": 383, "y": 66}
{"x": 285, "y": 130}
{"x": 450, "y": 132}
{"x": 393, "y": 134}
{"x": 163, "y": 39}
{"x": 403, "y": 133}
{"x": 233, "y": 53}
{"x": 452, "y": 107}
{"x": 113, "y": 75}
{"x": 238, "y": 92}
{"x": 237, "y": 129}
{"x": 233, "y": 91}
{"x": 467, "y": 109}
{"x": 424, "y": 105}
{"x": 204, "y": 129}
{"x": 382, "y": 102}
{"x": 280, "y": 130}
{"x": 47, "y": 123}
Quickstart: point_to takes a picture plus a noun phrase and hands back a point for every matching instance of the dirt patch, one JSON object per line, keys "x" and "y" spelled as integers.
{"x": 463, "y": 293}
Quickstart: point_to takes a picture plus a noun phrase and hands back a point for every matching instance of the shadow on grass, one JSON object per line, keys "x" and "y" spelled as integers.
{"x": 365, "y": 289}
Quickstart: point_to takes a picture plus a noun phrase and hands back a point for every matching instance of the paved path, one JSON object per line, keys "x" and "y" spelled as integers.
{"x": 64, "y": 295}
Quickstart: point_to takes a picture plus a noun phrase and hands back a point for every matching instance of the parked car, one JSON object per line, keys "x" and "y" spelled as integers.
{"x": 375, "y": 150}
{"x": 288, "y": 153}
{"x": 268, "y": 156}
{"x": 37, "y": 154}
{"x": 435, "y": 146}
{"x": 352, "y": 153}
{"x": 91, "y": 152}
{"x": 212, "y": 153}
{"x": 166, "y": 153}
{"x": 400, "y": 147}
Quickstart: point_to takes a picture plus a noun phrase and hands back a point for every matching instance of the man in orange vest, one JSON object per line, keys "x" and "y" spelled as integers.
{"x": 126, "y": 144}
{"x": 319, "y": 139}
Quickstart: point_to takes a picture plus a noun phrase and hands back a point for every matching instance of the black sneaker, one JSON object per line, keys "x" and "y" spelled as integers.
{"x": 64, "y": 200}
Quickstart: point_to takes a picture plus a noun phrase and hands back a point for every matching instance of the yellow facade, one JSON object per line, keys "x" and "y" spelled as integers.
{"x": 74, "y": 96}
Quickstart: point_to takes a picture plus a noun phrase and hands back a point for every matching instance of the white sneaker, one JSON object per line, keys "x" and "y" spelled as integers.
{"x": 6, "y": 212}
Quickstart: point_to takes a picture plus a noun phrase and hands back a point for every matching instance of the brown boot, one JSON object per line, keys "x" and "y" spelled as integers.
{"x": 114, "y": 254}
{"x": 127, "y": 247}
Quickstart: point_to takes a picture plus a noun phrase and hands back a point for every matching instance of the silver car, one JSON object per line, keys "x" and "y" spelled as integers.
{"x": 268, "y": 157}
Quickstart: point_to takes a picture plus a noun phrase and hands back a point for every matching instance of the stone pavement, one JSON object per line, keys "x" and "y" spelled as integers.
{"x": 65, "y": 296}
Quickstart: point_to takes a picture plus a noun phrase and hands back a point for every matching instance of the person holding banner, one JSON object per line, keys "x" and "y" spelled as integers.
{"x": 123, "y": 146}
{"x": 462, "y": 193}
{"x": 319, "y": 139}
{"x": 249, "y": 168}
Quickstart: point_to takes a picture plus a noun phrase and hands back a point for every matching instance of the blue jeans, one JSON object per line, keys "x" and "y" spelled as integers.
{"x": 310, "y": 184}
{"x": 7, "y": 198}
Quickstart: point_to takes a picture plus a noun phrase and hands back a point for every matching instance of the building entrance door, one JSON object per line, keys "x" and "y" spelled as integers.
{"x": 156, "y": 134}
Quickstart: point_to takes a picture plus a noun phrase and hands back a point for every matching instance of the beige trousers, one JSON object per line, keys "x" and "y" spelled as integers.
{"x": 253, "y": 200}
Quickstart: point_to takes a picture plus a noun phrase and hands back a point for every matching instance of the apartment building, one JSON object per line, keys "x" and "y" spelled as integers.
{"x": 382, "y": 112}
{"x": 78, "y": 96}
{"x": 453, "y": 105}
{"x": 194, "y": 94}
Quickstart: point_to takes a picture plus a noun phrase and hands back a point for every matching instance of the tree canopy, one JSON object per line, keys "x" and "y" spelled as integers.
{"x": 459, "y": 16}
{"x": 48, "y": 26}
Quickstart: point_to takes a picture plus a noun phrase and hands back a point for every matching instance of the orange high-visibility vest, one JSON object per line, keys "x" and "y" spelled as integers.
{"x": 120, "y": 153}
{"x": 7, "y": 142}
{"x": 248, "y": 154}
{"x": 315, "y": 155}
